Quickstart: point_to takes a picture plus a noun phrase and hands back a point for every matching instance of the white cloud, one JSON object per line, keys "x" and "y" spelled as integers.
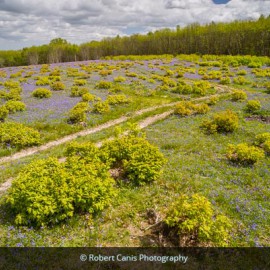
{"x": 34, "y": 22}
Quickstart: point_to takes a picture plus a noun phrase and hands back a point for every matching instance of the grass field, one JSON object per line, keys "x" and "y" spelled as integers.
{"x": 196, "y": 161}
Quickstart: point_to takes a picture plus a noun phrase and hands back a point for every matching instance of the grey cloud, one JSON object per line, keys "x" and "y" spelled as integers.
{"x": 35, "y": 22}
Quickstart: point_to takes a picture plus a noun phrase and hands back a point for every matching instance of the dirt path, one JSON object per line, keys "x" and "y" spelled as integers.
{"x": 142, "y": 124}
{"x": 33, "y": 150}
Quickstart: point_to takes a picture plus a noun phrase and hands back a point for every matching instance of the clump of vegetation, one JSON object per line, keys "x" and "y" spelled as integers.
{"x": 18, "y": 136}
{"x": 185, "y": 108}
{"x": 119, "y": 79}
{"x": 239, "y": 95}
{"x": 225, "y": 80}
{"x": 78, "y": 113}
{"x": 57, "y": 86}
{"x": 3, "y": 113}
{"x": 182, "y": 88}
{"x": 260, "y": 139}
{"x": 197, "y": 223}
{"x": 42, "y": 81}
{"x": 78, "y": 92}
{"x": 11, "y": 84}
{"x": 104, "y": 85}
{"x": 42, "y": 93}
{"x": 213, "y": 100}
{"x": 117, "y": 99}
{"x": 244, "y": 154}
{"x": 66, "y": 189}
{"x": 223, "y": 122}
{"x": 79, "y": 82}
{"x": 88, "y": 97}
{"x": 240, "y": 80}
{"x": 105, "y": 73}
{"x": 15, "y": 106}
{"x": 241, "y": 72}
{"x": 253, "y": 106}
{"x": 101, "y": 107}
{"x": 139, "y": 161}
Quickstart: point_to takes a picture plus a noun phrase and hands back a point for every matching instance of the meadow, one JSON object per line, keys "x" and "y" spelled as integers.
{"x": 207, "y": 156}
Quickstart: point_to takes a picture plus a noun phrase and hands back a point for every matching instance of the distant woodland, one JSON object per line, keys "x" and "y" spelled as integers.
{"x": 234, "y": 38}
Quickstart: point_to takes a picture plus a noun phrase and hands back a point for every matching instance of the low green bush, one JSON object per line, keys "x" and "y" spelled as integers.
{"x": 225, "y": 80}
{"x": 78, "y": 113}
{"x": 196, "y": 222}
{"x": 57, "y": 86}
{"x": 91, "y": 186}
{"x": 101, "y": 107}
{"x": 104, "y": 85}
{"x": 239, "y": 95}
{"x": 244, "y": 154}
{"x": 42, "y": 93}
{"x": 77, "y": 91}
{"x": 42, "y": 81}
{"x": 117, "y": 99}
{"x": 119, "y": 79}
{"x": 3, "y": 113}
{"x": 40, "y": 195}
{"x": 185, "y": 108}
{"x": 79, "y": 82}
{"x": 260, "y": 139}
{"x": 240, "y": 80}
{"x": 17, "y": 135}
{"x": 15, "y": 106}
{"x": 140, "y": 161}
{"x": 213, "y": 100}
{"x": 223, "y": 122}
{"x": 253, "y": 106}
{"x": 88, "y": 97}
{"x": 201, "y": 108}
{"x": 11, "y": 84}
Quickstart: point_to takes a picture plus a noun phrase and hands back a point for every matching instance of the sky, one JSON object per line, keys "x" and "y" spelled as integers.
{"x": 25, "y": 23}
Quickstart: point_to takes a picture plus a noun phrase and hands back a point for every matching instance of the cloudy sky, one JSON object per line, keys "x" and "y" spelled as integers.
{"x": 33, "y": 22}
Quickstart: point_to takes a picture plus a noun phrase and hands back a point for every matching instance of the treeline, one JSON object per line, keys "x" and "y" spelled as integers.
{"x": 235, "y": 38}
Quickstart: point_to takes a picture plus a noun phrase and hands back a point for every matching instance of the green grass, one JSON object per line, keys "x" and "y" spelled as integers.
{"x": 196, "y": 164}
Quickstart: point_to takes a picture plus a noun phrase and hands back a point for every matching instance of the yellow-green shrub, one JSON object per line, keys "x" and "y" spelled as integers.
{"x": 103, "y": 85}
{"x": 225, "y": 80}
{"x": 201, "y": 108}
{"x": 141, "y": 162}
{"x": 40, "y": 195}
{"x": 78, "y": 113}
{"x": 15, "y": 106}
{"x": 184, "y": 108}
{"x": 244, "y": 154}
{"x": 223, "y": 122}
{"x": 17, "y": 135}
{"x": 47, "y": 192}
{"x": 42, "y": 93}
{"x": 90, "y": 185}
{"x": 195, "y": 220}
{"x": 3, "y": 113}
{"x": 239, "y": 95}
{"x": 101, "y": 107}
{"x": 213, "y": 100}
{"x": 117, "y": 99}
{"x": 77, "y": 91}
{"x": 57, "y": 86}
{"x": 79, "y": 82}
{"x": 119, "y": 79}
{"x": 253, "y": 106}
{"x": 88, "y": 97}
{"x": 262, "y": 138}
